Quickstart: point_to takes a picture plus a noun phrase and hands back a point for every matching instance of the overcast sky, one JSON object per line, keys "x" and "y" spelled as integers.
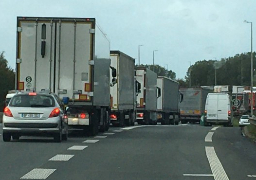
{"x": 183, "y": 31}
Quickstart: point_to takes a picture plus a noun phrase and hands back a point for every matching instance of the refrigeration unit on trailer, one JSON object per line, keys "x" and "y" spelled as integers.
{"x": 122, "y": 89}
{"x": 193, "y": 104}
{"x": 168, "y": 111}
{"x": 70, "y": 57}
{"x": 147, "y": 98}
{"x": 218, "y": 109}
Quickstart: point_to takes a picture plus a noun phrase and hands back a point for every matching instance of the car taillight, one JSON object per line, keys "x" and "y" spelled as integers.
{"x": 65, "y": 117}
{"x": 229, "y": 112}
{"x": 140, "y": 115}
{"x": 83, "y": 116}
{"x": 113, "y": 116}
{"x": 7, "y": 112}
{"x": 55, "y": 113}
{"x": 32, "y": 94}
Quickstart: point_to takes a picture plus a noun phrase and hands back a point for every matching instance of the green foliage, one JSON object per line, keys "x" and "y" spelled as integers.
{"x": 7, "y": 78}
{"x": 161, "y": 71}
{"x": 229, "y": 71}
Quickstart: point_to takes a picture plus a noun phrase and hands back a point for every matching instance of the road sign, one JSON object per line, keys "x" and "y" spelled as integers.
{"x": 28, "y": 79}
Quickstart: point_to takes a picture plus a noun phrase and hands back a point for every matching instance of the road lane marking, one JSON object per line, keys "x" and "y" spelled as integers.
{"x": 101, "y": 137}
{"x": 215, "y": 128}
{"x": 108, "y": 133}
{"x": 199, "y": 175}
{"x": 77, "y": 147}
{"x": 90, "y": 141}
{"x": 215, "y": 164}
{"x": 129, "y": 128}
{"x": 252, "y": 176}
{"x": 61, "y": 157}
{"x": 38, "y": 174}
{"x": 117, "y": 130}
{"x": 208, "y": 137}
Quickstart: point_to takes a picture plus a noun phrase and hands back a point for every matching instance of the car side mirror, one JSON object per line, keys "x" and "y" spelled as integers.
{"x": 113, "y": 71}
{"x": 158, "y": 92}
{"x": 138, "y": 87}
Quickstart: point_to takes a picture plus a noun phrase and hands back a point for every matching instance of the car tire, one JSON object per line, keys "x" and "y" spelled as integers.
{"x": 6, "y": 137}
{"x": 58, "y": 137}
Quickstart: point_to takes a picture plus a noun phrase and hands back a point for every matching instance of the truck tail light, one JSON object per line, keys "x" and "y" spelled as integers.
{"x": 55, "y": 113}
{"x": 140, "y": 115}
{"x": 229, "y": 113}
{"x": 82, "y": 115}
{"x": 113, "y": 116}
{"x": 7, "y": 112}
{"x": 32, "y": 94}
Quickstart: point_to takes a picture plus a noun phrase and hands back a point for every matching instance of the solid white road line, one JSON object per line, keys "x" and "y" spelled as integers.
{"x": 251, "y": 176}
{"x": 215, "y": 128}
{"x": 199, "y": 175}
{"x": 38, "y": 174}
{"x": 215, "y": 164}
{"x": 129, "y": 128}
{"x": 100, "y": 137}
{"x": 61, "y": 157}
{"x": 208, "y": 137}
{"x": 90, "y": 141}
{"x": 77, "y": 147}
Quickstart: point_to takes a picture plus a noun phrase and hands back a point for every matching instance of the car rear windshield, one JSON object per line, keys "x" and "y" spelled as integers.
{"x": 39, "y": 100}
{"x": 245, "y": 117}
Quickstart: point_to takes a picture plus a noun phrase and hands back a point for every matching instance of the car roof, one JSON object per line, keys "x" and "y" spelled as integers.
{"x": 10, "y": 95}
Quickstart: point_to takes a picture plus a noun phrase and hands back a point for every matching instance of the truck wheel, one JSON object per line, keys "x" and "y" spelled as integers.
{"x": 184, "y": 121}
{"x": 121, "y": 119}
{"x": 6, "y": 137}
{"x": 107, "y": 121}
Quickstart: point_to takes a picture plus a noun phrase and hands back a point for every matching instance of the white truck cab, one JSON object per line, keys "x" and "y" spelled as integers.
{"x": 218, "y": 109}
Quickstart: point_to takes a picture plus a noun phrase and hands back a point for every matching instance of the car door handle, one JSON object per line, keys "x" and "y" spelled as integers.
{"x": 219, "y": 110}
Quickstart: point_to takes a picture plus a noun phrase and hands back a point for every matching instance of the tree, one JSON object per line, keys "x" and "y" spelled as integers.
{"x": 161, "y": 71}
{"x": 7, "y": 78}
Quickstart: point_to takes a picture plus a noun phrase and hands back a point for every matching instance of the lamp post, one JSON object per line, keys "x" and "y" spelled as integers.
{"x": 251, "y": 70}
{"x": 154, "y": 60}
{"x": 139, "y": 53}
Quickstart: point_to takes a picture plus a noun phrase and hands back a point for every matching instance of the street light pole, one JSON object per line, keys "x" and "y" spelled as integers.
{"x": 139, "y": 53}
{"x": 154, "y": 60}
{"x": 251, "y": 71}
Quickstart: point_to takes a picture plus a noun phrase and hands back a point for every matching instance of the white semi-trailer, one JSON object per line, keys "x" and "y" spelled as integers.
{"x": 122, "y": 89}
{"x": 168, "y": 102}
{"x": 147, "y": 98}
{"x": 71, "y": 58}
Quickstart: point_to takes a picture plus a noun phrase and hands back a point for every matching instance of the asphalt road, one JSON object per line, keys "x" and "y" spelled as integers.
{"x": 139, "y": 152}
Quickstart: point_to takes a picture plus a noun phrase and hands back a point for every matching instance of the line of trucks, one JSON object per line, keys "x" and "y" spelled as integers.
{"x": 71, "y": 57}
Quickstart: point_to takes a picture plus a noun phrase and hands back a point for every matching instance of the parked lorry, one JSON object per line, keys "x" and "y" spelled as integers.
{"x": 147, "y": 98}
{"x": 71, "y": 58}
{"x": 218, "y": 109}
{"x": 122, "y": 90}
{"x": 168, "y": 110}
{"x": 193, "y": 104}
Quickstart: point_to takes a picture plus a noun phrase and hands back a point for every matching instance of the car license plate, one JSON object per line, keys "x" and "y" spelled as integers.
{"x": 27, "y": 115}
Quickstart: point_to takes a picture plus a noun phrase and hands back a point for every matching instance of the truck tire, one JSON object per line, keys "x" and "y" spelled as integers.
{"x": 15, "y": 137}
{"x": 6, "y": 137}
{"x": 94, "y": 126}
{"x": 132, "y": 118}
{"x": 107, "y": 121}
{"x": 121, "y": 119}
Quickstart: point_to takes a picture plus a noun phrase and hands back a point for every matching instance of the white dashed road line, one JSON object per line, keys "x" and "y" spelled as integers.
{"x": 77, "y": 147}
{"x": 215, "y": 164}
{"x": 215, "y": 128}
{"x": 251, "y": 176}
{"x": 208, "y": 137}
{"x": 199, "y": 175}
{"x": 100, "y": 137}
{"x": 38, "y": 174}
{"x": 61, "y": 157}
{"x": 117, "y": 130}
{"x": 90, "y": 141}
{"x": 108, "y": 133}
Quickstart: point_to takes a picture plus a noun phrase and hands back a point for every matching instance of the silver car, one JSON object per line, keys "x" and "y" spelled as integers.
{"x": 30, "y": 114}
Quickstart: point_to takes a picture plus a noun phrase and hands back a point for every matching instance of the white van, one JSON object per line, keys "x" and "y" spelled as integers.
{"x": 218, "y": 109}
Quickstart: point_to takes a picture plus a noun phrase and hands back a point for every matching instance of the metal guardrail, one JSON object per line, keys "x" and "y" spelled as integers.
{"x": 252, "y": 121}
